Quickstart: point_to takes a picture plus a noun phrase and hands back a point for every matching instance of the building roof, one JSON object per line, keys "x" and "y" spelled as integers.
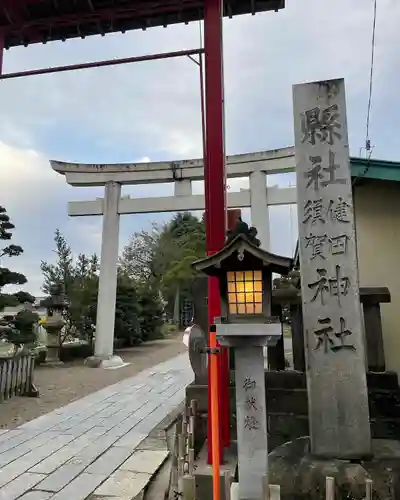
{"x": 362, "y": 168}
{"x": 31, "y": 21}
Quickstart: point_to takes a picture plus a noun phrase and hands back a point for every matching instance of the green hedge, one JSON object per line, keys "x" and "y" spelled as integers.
{"x": 151, "y": 330}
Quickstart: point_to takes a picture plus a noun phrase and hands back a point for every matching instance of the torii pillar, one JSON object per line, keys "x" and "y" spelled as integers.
{"x": 215, "y": 189}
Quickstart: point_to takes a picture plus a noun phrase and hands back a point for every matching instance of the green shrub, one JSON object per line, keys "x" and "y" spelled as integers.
{"x": 169, "y": 329}
{"x": 126, "y": 313}
{"x": 150, "y": 314}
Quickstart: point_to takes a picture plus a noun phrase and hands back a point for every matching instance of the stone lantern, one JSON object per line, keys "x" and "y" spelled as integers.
{"x": 56, "y": 305}
{"x": 245, "y": 272}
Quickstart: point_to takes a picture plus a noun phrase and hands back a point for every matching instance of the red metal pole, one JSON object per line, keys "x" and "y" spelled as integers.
{"x": 215, "y": 190}
{"x": 100, "y": 64}
{"x": 216, "y": 426}
{"x": 1, "y": 52}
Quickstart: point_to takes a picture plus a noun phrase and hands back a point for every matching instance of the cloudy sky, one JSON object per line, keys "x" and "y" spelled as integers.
{"x": 150, "y": 111}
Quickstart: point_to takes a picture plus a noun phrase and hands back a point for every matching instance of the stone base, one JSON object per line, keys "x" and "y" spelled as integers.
{"x": 302, "y": 476}
{"x": 110, "y": 362}
{"x": 53, "y": 363}
{"x": 235, "y": 491}
{"x": 53, "y": 356}
{"x": 274, "y": 492}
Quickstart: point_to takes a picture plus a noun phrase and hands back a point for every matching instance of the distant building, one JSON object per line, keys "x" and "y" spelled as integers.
{"x": 376, "y": 194}
{"x": 377, "y": 216}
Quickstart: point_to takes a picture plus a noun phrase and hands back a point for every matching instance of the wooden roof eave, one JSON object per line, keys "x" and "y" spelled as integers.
{"x": 212, "y": 265}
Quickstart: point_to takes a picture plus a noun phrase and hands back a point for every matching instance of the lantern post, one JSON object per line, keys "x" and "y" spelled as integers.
{"x": 244, "y": 274}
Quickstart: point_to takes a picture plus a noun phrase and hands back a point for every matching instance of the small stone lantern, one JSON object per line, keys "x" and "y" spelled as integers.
{"x": 245, "y": 272}
{"x": 56, "y": 305}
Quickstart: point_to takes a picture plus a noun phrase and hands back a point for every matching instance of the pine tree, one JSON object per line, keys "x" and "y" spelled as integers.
{"x": 19, "y": 330}
{"x": 8, "y": 277}
{"x": 79, "y": 280}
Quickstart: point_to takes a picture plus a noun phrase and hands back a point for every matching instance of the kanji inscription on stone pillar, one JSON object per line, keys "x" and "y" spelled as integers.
{"x": 334, "y": 345}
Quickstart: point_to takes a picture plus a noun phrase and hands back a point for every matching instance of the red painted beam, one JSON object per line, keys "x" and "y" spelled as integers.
{"x": 21, "y": 3}
{"x": 1, "y": 53}
{"x": 80, "y": 18}
{"x": 99, "y": 64}
{"x": 215, "y": 191}
{"x": 137, "y": 10}
{"x": 13, "y": 11}
{"x": 215, "y": 177}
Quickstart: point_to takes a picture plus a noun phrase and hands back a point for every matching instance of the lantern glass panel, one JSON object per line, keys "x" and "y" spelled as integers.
{"x": 245, "y": 292}
{"x": 250, "y": 308}
{"x": 257, "y": 308}
{"x": 241, "y": 308}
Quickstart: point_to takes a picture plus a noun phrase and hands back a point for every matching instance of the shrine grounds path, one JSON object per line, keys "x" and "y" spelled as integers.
{"x": 61, "y": 385}
{"x": 104, "y": 445}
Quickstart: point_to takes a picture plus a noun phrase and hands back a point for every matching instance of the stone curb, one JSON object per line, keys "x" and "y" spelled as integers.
{"x": 156, "y": 442}
{"x": 158, "y": 437}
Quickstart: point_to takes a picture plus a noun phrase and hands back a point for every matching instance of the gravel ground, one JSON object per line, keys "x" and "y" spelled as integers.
{"x": 61, "y": 385}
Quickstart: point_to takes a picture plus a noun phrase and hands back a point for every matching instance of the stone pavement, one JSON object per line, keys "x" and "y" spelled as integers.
{"x": 86, "y": 450}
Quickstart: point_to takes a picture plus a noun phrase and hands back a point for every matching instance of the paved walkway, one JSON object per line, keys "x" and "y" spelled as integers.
{"x": 86, "y": 450}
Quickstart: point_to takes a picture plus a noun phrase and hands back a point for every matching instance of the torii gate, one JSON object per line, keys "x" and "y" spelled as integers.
{"x": 256, "y": 166}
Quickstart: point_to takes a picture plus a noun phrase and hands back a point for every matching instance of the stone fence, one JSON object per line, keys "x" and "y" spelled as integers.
{"x": 370, "y": 298}
{"x": 16, "y": 376}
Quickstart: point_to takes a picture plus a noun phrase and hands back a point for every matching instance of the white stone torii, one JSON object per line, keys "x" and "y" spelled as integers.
{"x": 112, "y": 176}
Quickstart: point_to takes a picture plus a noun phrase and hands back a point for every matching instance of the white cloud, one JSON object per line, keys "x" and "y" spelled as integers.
{"x": 144, "y": 159}
{"x": 26, "y": 173}
{"x": 156, "y": 105}
{"x": 35, "y": 198}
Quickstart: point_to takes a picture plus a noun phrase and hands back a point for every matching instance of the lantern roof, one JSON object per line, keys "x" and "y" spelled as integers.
{"x": 240, "y": 254}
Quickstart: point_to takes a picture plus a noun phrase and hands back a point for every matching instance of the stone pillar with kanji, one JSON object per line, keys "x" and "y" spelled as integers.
{"x": 334, "y": 345}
